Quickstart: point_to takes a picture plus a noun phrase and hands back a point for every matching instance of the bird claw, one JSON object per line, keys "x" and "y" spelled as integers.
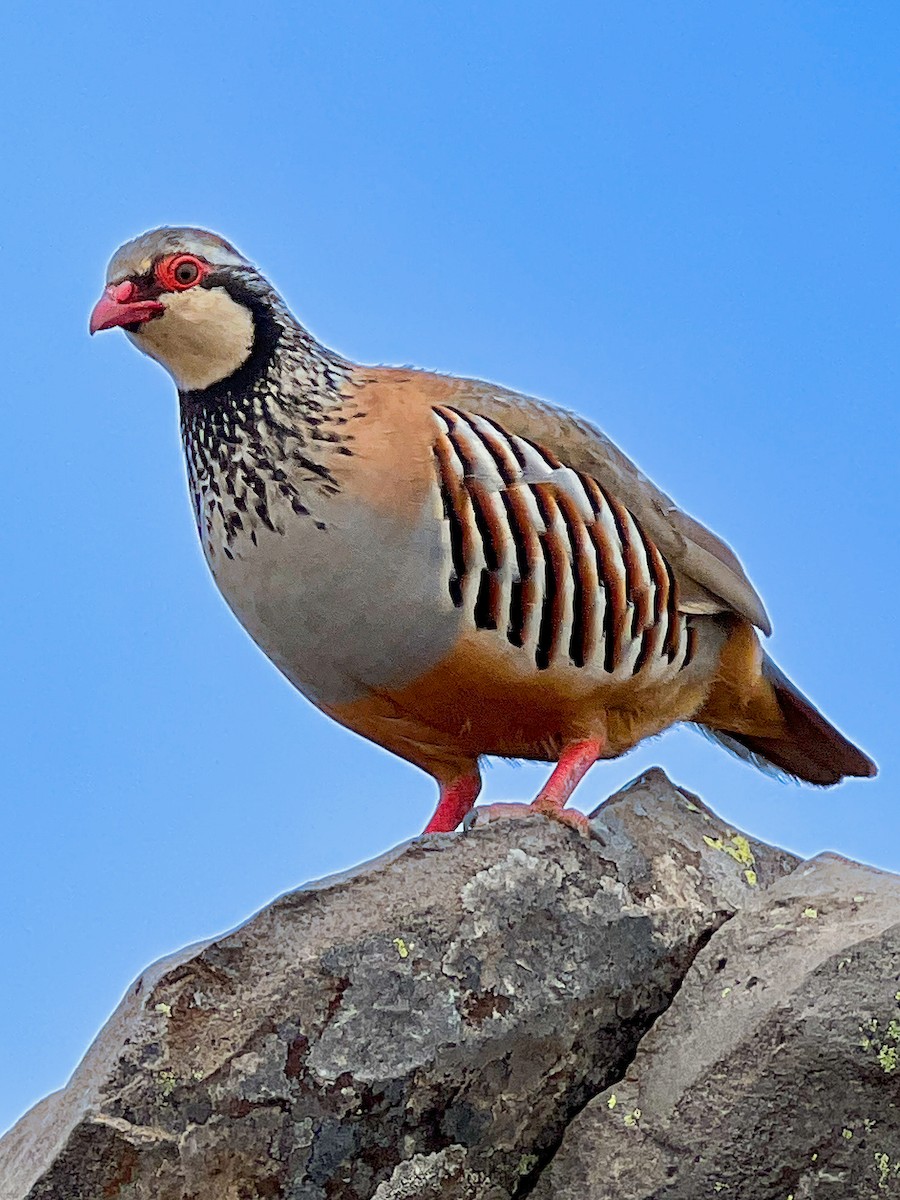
{"x": 484, "y": 814}
{"x": 570, "y": 817}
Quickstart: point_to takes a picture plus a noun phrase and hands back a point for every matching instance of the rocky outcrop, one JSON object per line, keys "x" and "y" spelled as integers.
{"x": 775, "y": 1074}
{"x": 669, "y": 1010}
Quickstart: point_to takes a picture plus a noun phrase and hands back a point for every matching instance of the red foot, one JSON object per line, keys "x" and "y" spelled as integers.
{"x": 566, "y": 816}
{"x": 485, "y": 813}
{"x": 456, "y": 799}
{"x": 574, "y": 763}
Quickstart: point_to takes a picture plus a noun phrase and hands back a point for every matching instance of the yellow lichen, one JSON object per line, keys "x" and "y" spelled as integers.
{"x": 164, "y": 1010}
{"x": 739, "y": 850}
{"x": 810, "y": 913}
{"x": 887, "y": 1057}
{"x": 885, "y": 1045}
{"x": 885, "y": 1169}
{"x": 402, "y": 948}
{"x": 883, "y": 1163}
{"x": 612, "y": 1102}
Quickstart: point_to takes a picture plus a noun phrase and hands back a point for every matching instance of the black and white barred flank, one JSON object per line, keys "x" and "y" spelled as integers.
{"x": 543, "y": 554}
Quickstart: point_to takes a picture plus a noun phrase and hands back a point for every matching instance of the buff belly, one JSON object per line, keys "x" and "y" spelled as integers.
{"x": 484, "y": 698}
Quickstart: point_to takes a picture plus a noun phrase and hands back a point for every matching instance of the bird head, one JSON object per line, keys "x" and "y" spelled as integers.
{"x": 189, "y": 300}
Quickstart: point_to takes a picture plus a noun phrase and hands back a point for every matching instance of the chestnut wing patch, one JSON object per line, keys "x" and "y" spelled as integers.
{"x": 543, "y": 555}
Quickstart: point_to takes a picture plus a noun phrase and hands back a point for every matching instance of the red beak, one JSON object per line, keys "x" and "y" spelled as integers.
{"x": 116, "y": 307}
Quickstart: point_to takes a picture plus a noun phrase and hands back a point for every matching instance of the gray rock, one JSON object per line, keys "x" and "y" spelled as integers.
{"x": 775, "y": 1074}
{"x": 435, "y": 1022}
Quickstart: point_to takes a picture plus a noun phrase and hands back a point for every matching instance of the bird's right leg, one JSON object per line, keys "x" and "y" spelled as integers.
{"x": 457, "y": 797}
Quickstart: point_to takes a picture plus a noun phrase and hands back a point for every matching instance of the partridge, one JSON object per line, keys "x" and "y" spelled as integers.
{"x": 446, "y": 567}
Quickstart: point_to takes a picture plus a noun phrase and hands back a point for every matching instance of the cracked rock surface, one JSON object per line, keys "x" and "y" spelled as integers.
{"x": 775, "y": 1074}
{"x": 513, "y": 1011}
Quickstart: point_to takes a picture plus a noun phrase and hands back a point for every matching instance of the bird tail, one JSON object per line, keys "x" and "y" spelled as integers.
{"x": 756, "y": 712}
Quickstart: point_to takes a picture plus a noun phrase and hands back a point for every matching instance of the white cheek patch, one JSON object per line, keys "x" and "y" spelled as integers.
{"x": 203, "y": 336}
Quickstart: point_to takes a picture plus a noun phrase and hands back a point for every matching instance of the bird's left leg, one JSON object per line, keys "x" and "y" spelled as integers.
{"x": 574, "y": 763}
{"x": 456, "y": 798}
{"x": 571, "y": 767}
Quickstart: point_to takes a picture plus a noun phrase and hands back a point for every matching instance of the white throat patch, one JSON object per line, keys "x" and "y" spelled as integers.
{"x": 202, "y": 337}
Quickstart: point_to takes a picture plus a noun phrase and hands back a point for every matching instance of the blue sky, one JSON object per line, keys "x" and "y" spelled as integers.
{"x": 679, "y": 219}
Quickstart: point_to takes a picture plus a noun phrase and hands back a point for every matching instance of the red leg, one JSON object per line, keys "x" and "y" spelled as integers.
{"x": 456, "y": 798}
{"x": 574, "y": 763}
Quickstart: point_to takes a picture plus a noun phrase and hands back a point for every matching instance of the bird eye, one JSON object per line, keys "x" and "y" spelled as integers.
{"x": 186, "y": 272}
{"x": 179, "y": 272}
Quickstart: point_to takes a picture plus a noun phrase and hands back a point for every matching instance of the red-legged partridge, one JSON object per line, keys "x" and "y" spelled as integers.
{"x": 444, "y": 566}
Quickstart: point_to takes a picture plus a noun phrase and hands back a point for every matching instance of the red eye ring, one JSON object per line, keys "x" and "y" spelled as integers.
{"x": 180, "y": 272}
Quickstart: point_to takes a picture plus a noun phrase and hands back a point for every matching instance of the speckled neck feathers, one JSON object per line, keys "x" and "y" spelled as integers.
{"x": 259, "y": 444}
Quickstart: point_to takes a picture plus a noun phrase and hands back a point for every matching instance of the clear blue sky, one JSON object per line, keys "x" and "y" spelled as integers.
{"x": 680, "y": 219}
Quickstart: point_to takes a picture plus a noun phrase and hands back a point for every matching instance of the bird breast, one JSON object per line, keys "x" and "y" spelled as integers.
{"x": 548, "y": 573}
{"x": 342, "y": 598}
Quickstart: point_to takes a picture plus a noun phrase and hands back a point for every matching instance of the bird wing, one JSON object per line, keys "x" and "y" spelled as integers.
{"x": 709, "y": 574}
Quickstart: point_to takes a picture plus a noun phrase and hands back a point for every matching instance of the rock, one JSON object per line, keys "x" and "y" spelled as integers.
{"x": 775, "y": 1074}
{"x": 434, "y": 1023}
